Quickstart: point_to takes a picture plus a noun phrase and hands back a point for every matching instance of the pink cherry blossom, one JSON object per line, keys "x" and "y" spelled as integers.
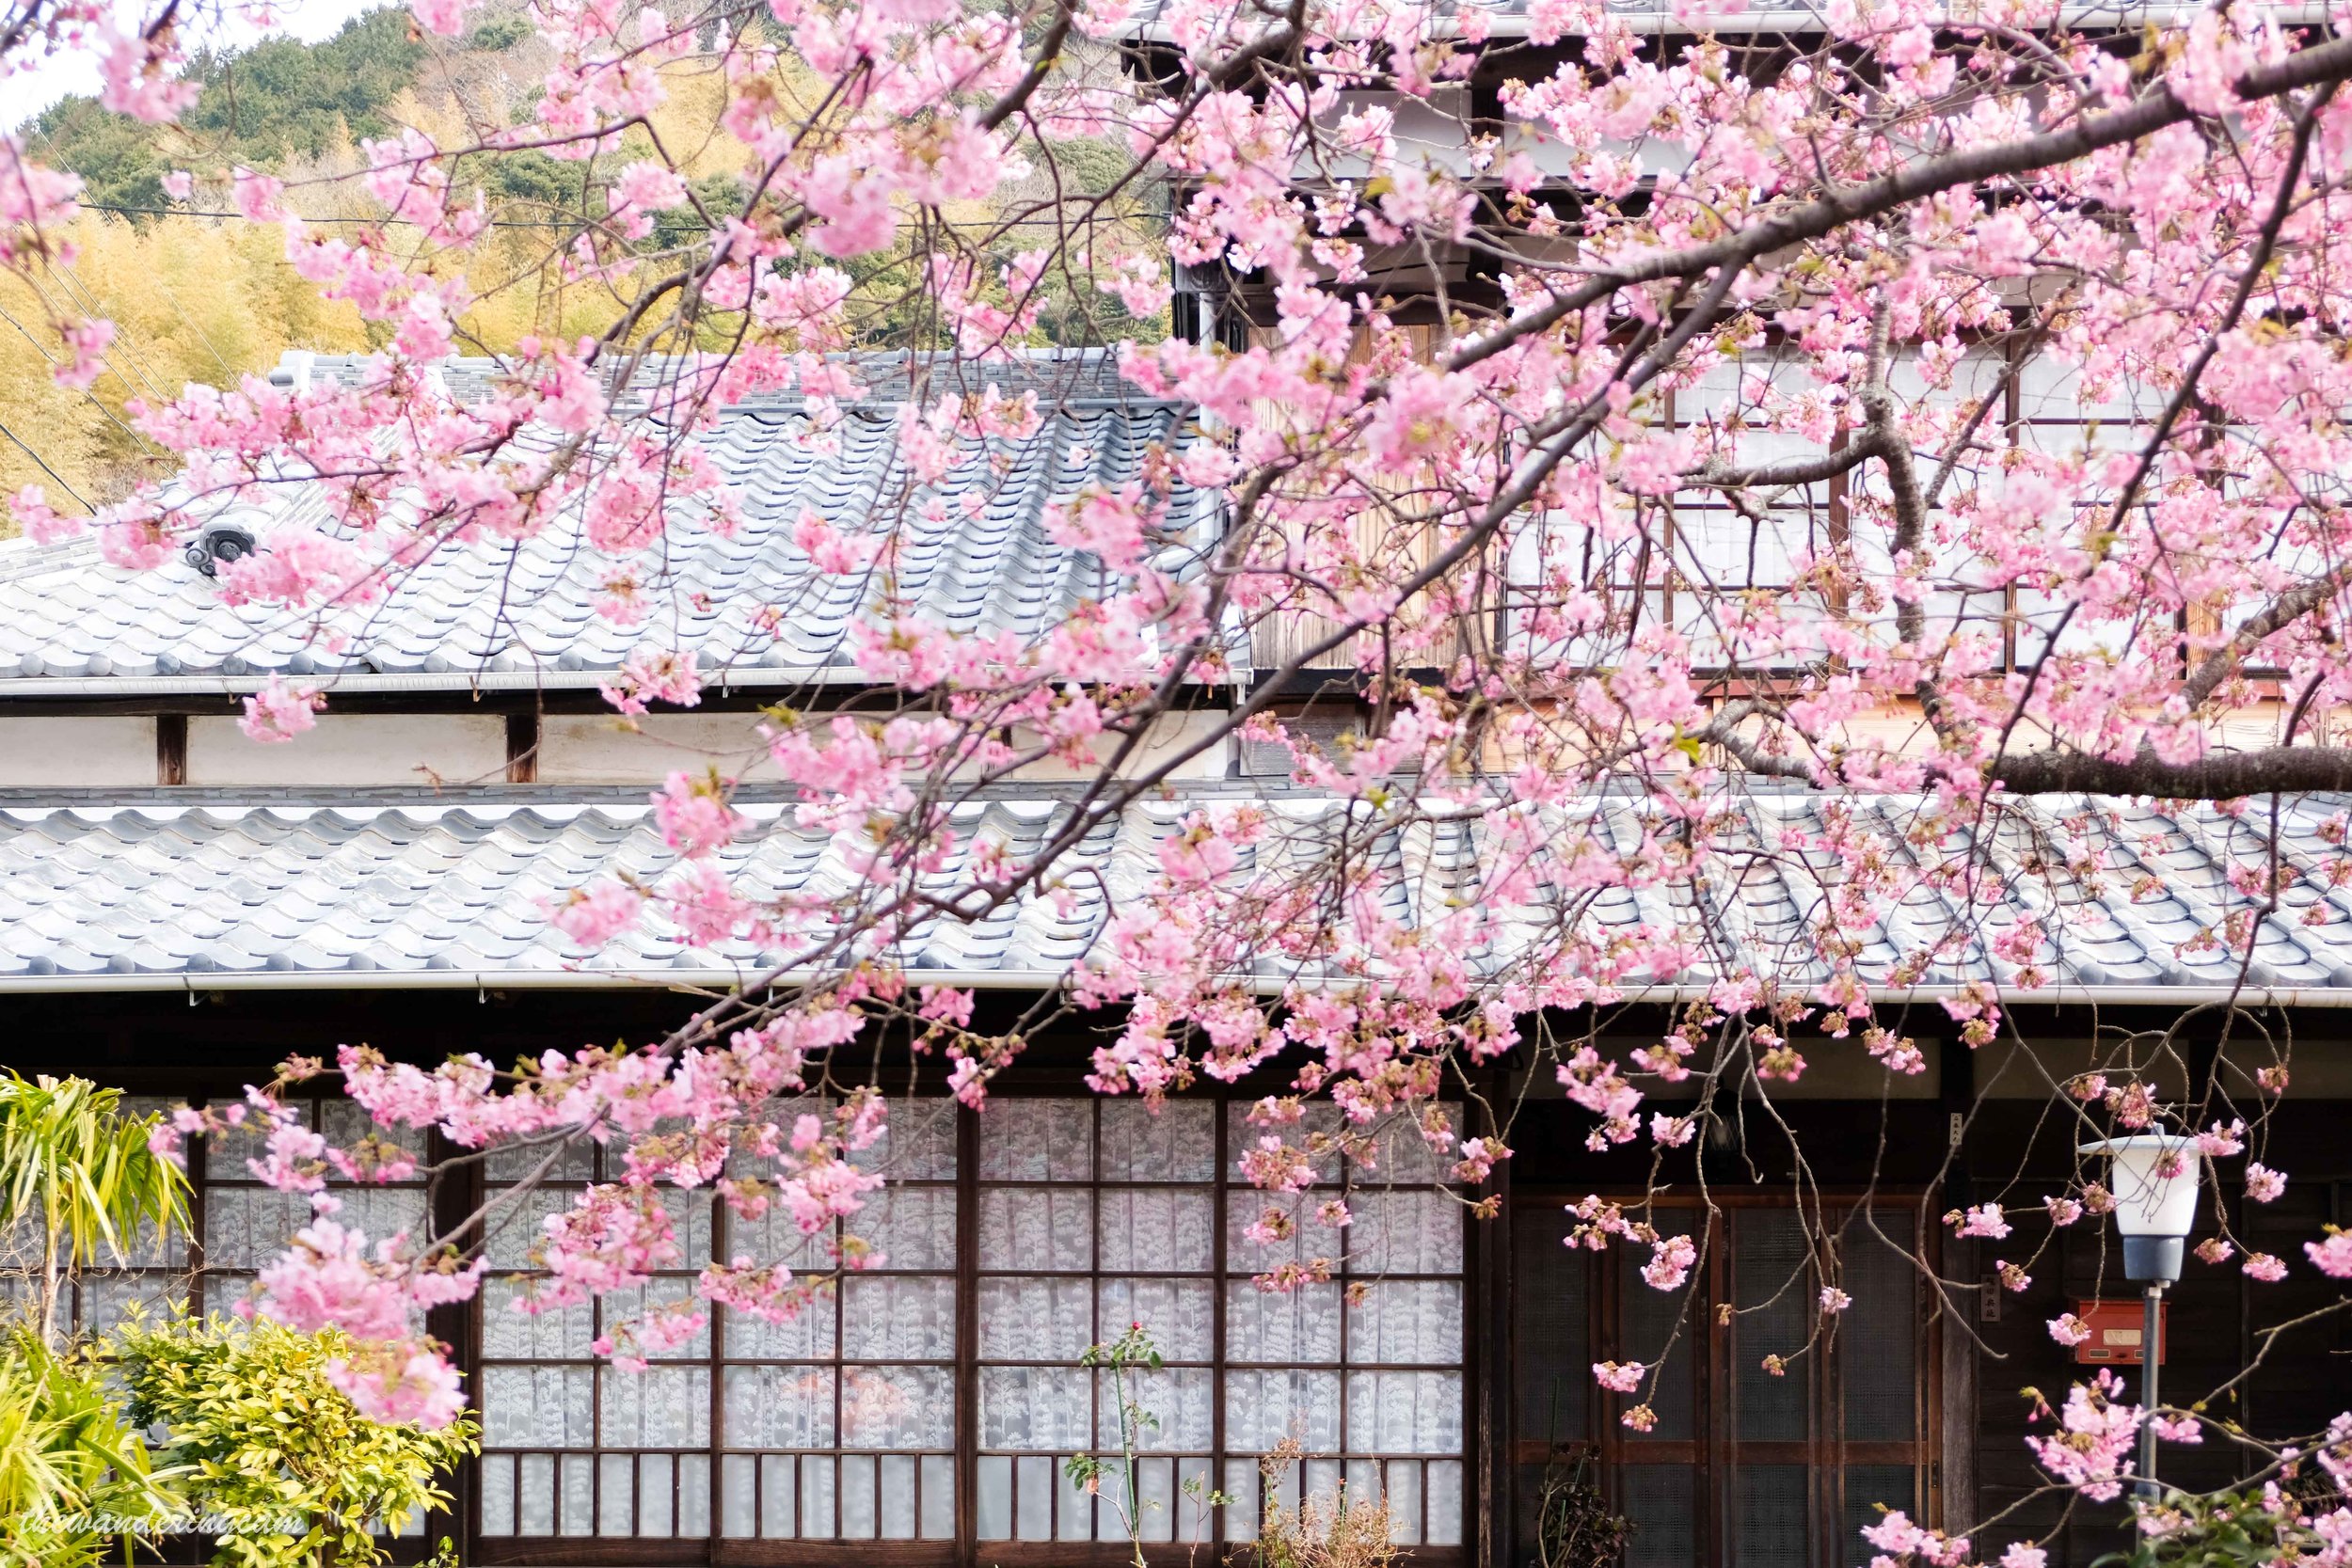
{"x": 2217, "y": 1140}
{"x": 444, "y": 18}
{"x": 2093, "y": 1449}
{"x": 139, "y": 81}
{"x": 86, "y": 345}
{"x": 594, "y": 916}
{"x": 2332, "y": 1255}
{"x": 328, "y": 1280}
{"x": 1479, "y": 1158}
{"x": 41, "y": 522}
{"x": 1621, "y": 1377}
{"x": 654, "y": 674}
{"x": 1112, "y": 524}
{"x": 831, "y": 550}
{"x": 694, "y": 814}
{"x": 1579, "y": 736}
{"x": 410, "y": 1382}
{"x": 259, "y": 197}
{"x": 281, "y": 710}
{"x": 1670, "y": 1131}
{"x": 1670, "y": 1264}
{"x": 1897, "y": 1534}
{"x": 1983, "y": 1220}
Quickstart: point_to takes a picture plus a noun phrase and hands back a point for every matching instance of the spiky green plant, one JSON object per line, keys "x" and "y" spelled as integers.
{"x": 74, "y": 1473}
{"x": 72, "y": 1162}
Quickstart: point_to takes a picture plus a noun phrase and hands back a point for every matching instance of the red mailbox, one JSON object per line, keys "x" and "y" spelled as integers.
{"x": 2116, "y": 1330}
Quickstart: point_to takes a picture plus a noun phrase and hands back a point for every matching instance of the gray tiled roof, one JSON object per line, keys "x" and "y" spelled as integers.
{"x": 1067, "y": 375}
{"x": 523, "y": 615}
{"x": 1795, "y": 17}
{"x": 227, "y": 892}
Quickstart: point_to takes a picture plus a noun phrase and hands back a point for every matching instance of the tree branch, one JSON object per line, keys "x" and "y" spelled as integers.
{"x": 1910, "y": 513}
{"x": 1794, "y": 470}
{"x": 2322, "y": 63}
{"x": 2227, "y": 776}
{"x": 2288, "y": 608}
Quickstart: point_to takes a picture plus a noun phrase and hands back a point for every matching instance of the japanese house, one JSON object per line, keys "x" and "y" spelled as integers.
{"x": 184, "y": 907}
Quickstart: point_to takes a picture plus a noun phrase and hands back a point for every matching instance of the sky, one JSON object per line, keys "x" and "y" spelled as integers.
{"x": 39, "y": 85}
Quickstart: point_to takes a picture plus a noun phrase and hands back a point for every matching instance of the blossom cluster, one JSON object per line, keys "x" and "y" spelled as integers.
{"x": 1544, "y": 814}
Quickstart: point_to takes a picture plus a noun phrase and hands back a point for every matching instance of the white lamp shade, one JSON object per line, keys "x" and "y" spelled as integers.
{"x": 2149, "y": 1202}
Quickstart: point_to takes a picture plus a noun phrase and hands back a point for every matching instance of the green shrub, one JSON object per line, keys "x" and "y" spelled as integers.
{"x": 69, "y": 1462}
{"x": 2249, "y": 1528}
{"x": 273, "y": 1452}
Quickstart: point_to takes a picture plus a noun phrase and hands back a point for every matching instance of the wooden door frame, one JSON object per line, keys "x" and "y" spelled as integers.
{"x": 1825, "y": 1452}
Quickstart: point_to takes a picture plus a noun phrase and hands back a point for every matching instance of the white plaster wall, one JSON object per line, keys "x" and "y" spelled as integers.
{"x": 354, "y": 749}
{"x": 595, "y": 749}
{"x": 73, "y": 754}
{"x": 1168, "y": 732}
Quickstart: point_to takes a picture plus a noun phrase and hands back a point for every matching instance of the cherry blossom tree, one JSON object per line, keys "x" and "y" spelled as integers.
{"x": 1697, "y": 268}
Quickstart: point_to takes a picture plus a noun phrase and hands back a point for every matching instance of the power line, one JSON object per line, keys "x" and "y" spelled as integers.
{"x": 575, "y": 223}
{"x": 381, "y": 223}
{"x": 88, "y": 395}
{"x": 46, "y": 468}
{"x": 87, "y": 304}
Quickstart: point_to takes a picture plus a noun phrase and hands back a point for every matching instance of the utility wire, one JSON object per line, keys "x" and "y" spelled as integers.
{"x": 88, "y": 395}
{"x": 46, "y": 468}
{"x": 575, "y": 223}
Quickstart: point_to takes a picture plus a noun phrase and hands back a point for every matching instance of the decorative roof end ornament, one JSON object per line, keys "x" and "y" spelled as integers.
{"x": 217, "y": 546}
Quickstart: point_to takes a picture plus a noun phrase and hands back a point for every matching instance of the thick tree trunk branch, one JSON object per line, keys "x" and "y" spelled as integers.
{"x": 2288, "y": 607}
{"x": 1910, "y": 507}
{"x": 1795, "y": 471}
{"x": 2322, "y": 63}
{"x": 2226, "y": 776}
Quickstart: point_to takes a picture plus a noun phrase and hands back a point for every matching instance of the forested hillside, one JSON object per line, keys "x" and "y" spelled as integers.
{"x": 280, "y": 101}
{"x": 194, "y": 295}
{"x": 198, "y": 293}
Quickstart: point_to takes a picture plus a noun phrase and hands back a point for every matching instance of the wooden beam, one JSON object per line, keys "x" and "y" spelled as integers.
{"x": 523, "y": 747}
{"x": 171, "y": 748}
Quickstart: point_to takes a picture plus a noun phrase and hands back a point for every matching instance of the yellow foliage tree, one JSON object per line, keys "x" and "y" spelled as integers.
{"x": 192, "y": 299}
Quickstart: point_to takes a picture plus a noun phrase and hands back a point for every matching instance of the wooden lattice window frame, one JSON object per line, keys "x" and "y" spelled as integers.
{"x": 967, "y": 1547}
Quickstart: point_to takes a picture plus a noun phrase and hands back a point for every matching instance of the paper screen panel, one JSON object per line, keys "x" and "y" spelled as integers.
{"x": 1772, "y": 1290}
{"x": 1770, "y": 1520}
{"x": 1660, "y": 1501}
{"x": 1551, "y": 1312}
{"x": 1878, "y": 1337}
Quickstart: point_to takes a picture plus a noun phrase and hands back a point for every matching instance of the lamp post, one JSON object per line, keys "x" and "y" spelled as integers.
{"x": 2153, "y": 1178}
